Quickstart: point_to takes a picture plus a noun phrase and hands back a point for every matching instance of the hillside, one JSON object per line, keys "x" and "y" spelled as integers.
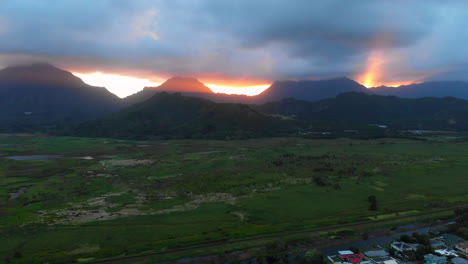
{"x": 189, "y": 87}
{"x": 457, "y": 89}
{"x": 168, "y": 115}
{"x": 186, "y": 85}
{"x": 358, "y": 108}
{"x": 41, "y": 95}
{"x": 309, "y": 90}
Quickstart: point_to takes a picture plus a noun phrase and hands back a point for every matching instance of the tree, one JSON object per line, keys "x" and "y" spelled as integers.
{"x": 405, "y": 238}
{"x": 365, "y": 236}
{"x": 373, "y": 202}
{"x": 355, "y": 250}
{"x": 313, "y": 256}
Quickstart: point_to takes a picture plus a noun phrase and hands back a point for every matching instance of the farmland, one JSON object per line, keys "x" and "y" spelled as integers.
{"x": 108, "y": 197}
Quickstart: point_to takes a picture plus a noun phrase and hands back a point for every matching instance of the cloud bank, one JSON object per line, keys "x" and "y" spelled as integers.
{"x": 265, "y": 39}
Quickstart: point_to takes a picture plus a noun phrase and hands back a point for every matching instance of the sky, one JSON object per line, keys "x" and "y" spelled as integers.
{"x": 238, "y": 46}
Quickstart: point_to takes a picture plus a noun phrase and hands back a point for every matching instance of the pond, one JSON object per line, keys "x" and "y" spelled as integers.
{"x": 18, "y": 193}
{"x": 35, "y": 157}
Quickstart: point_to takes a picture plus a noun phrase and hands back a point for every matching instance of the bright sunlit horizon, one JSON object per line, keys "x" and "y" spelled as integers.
{"x": 119, "y": 85}
{"x": 245, "y": 90}
{"x": 124, "y": 85}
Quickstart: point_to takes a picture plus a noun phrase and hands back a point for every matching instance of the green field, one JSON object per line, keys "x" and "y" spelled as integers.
{"x": 150, "y": 196}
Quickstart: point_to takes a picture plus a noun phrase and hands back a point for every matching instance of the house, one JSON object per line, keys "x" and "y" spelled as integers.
{"x": 446, "y": 252}
{"x": 402, "y": 246}
{"x": 353, "y": 258}
{"x": 433, "y": 259}
{"x": 347, "y": 256}
{"x": 384, "y": 260}
{"x": 436, "y": 244}
{"x": 376, "y": 253}
{"x": 452, "y": 240}
{"x": 459, "y": 261}
{"x": 463, "y": 247}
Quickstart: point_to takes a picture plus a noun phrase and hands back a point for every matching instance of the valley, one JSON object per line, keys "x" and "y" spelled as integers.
{"x": 131, "y": 197}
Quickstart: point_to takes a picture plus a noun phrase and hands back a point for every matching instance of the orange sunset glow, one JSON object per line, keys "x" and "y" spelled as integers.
{"x": 243, "y": 90}
{"x": 376, "y": 66}
{"x": 124, "y": 85}
{"x": 374, "y": 75}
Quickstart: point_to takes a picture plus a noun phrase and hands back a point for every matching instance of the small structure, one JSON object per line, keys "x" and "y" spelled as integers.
{"x": 452, "y": 240}
{"x": 433, "y": 259}
{"x": 436, "y": 244}
{"x": 347, "y": 256}
{"x": 402, "y": 246}
{"x": 384, "y": 260}
{"x": 376, "y": 253}
{"x": 459, "y": 261}
{"x": 378, "y": 125}
{"x": 463, "y": 247}
{"x": 446, "y": 252}
{"x": 345, "y": 252}
{"x": 353, "y": 258}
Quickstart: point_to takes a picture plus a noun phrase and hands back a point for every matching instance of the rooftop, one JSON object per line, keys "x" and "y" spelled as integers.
{"x": 432, "y": 257}
{"x": 463, "y": 245}
{"x": 446, "y": 252}
{"x": 459, "y": 261}
{"x": 376, "y": 253}
{"x": 452, "y": 239}
{"x": 353, "y": 258}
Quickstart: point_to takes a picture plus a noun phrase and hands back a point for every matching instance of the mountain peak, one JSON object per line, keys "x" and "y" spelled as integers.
{"x": 182, "y": 84}
{"x": 39, "y": 74}
{"x": 311, "y": 90}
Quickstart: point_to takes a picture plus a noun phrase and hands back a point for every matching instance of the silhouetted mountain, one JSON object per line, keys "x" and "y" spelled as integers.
{"x": 309, "y": 90}
{"x": 428, "y": 89}
{"x": 305, "y": 90}
{"x": 187, "y": 86}
{"x": 183, "y": 85}
{"x": 42, "y": 95}
{"x": 175, "y": 116}
{"x": 430, "y": 113}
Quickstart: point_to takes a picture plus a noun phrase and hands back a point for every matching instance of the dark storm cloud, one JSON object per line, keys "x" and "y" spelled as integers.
{"x": 264, "y": 38}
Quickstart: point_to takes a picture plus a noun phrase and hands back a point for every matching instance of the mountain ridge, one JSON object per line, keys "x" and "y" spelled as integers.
{"x": 40, "y": 95}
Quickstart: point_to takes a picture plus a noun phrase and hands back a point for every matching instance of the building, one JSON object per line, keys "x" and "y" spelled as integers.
{"x": 436, "y": 244}
{"x": 384, "y": 260}
{"x": 446, "y": 252}
{"x": 376, "y": 253}
{"x": 351, "y": 257}
{"x": 459, "y": 261}
{"x": 463, "y": 247}
{"x": 402, "y": 246}
{"x": 452, "y": 240}
{"x": 347, "y": 256}
{"x": 433, "y": 259}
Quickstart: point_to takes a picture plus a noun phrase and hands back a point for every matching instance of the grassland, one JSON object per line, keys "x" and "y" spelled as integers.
{"x": 150, "y": 196}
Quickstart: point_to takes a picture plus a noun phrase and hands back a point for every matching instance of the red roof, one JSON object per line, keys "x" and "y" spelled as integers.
{"x": 353, "y": 258}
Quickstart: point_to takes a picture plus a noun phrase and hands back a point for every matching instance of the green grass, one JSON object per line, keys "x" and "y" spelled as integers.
{"x": 197, "y": 191}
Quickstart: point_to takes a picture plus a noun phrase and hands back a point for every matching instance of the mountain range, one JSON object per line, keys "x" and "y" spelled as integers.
{"x": 457, "y": 89}
{"x": 41, "y": 95}
{"x": 428, "y": 113}
{"x": 308, "y": 90}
